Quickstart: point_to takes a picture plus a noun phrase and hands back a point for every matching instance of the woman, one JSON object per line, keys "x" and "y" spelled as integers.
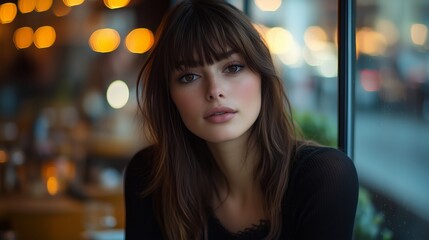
{"x": 225, "y": 161}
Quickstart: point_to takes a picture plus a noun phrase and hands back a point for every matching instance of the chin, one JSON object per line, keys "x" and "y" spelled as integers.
{"x": 223, "y": 138}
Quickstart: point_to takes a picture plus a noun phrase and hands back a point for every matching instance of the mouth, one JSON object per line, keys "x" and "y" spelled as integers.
{"x": 219, "y": 111}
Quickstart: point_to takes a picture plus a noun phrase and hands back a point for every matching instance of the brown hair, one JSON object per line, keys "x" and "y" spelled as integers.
{"x": 194, "y": 33}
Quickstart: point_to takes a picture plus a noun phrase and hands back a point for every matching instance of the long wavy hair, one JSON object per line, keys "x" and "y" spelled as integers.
{"x": 184, "y": 172}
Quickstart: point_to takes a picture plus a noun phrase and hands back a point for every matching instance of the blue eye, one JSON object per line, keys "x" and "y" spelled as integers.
{"x": 234, "y": 68}
{"x": 188, "y": 78}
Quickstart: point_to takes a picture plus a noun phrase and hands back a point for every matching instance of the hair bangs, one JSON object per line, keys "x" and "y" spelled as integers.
{"x": 200, "y": 38}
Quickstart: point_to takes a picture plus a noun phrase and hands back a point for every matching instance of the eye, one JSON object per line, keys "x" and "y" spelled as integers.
{"x": 233, "y": 68}
{"x": 188, "y": 78}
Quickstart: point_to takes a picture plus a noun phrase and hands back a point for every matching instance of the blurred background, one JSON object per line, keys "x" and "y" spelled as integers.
{"x": 68, "y": 113}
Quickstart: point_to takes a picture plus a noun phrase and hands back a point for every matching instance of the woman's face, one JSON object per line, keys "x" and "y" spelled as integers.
{"x": 217, "y": 102}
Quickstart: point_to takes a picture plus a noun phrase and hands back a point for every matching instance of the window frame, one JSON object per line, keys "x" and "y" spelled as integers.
{"x": 346, "y": 74}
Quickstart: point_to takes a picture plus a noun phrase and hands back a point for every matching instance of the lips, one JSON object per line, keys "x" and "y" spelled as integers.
{"x": 219, "y": 114}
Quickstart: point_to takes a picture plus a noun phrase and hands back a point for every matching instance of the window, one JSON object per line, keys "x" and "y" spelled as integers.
{"x": 389, "y": 105}
{"x": 392, "y": 116}
{"x": 302, "y": 38}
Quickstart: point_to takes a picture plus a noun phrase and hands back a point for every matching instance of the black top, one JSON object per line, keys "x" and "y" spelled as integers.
{"x": 320, "y": 201}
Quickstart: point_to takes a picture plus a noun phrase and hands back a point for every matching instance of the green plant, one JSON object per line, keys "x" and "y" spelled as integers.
{"x": 316, "y": 127}
{"x": 368, "y": 221}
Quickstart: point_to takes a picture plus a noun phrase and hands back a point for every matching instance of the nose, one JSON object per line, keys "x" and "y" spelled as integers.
{"x": 215, "y": 89}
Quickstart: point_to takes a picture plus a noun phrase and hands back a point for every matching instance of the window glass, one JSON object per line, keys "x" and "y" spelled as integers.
{"x": 302, "y": 38}
{"x": 392, "y": 119}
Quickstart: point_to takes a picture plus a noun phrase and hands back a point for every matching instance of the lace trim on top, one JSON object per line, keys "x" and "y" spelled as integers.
{"x": 256, "y": 231}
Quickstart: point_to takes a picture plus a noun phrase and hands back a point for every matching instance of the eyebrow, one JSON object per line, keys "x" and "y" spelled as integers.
{"x": 219, "y": 57}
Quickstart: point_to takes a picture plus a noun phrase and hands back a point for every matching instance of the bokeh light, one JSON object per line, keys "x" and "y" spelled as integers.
{"x": 26, "y": 6}
{"x": 44, "y": 37}
{"x": 43, "y": 5}
{"x": 60, "y": 9}
{"x": 104, "y": 40}
{"x": 113, "y": 4}
{"x": 279, "y": 40}
{"x": 52, "y": 185}
{"x": 370, "y": 42}
{"x": 315, "y": 38}
{"x": 7, "y": 12}
{"x": 268, "y": 5}
{"x": 389, "y": 30}
{"x": 3, "y": 156}
{"x": 139, "y": 40}
{"x": 293, "y": 57}
{"x": 23, "y": 37}
{"x": 117, "y": 94}
{"x": 71, "y": 3}
{"x": 419, "y": 33}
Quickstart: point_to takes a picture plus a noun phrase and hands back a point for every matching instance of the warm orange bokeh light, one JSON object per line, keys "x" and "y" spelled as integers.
{"x": 279, "y": 40}
{"x": 44, "y": 37}
{"x": 315, "y": 38}
{"x": 370, "y": 42}
{"x": 104, "y": 40}
{"x": 60, "y": 9}
{"x": 419, "y": 34}
{"x": 26, "y": 6}
{"x": 139, "y": 40}
{"x": 23, "y": 37}
{"x": 71, "y": 3}
{"x": 7, "y": 12}
{"x": 43, "y": 5}
{"x": 268, "y": 5}
{"x": 3, "y": 156}
{"x": 113, "y": 4}
{"x": 52, "y": 185}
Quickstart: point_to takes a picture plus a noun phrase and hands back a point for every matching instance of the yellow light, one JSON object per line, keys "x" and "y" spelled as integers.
{"x": 262, "y": 30}
{"x": 389, "y": 30}
{"x": 51, "y": 171}
{"x": 44, "y": 37}
{"x": 43, "y": 5}
{"x": 3, "y": 156}
{"x": 23, "y": 37}
{"x": 26, "y": 6}
{"x": 139, "y": 40}
{"x": 315, "y": 38}
{"x": 113, "y": 4}
{"x": 71, "y": 3}
{"x": 328, "y": 65}
{"x": 293, "y": 57}
{"x": 279, "y": 40}
{"x": 268, "y": 5}
{"x": 60, "y": 9}
{"x": 117, "y": 94}
{"x": 370, "y": 42}
{"x": 7, "y": 12}
{"x": 52, "y": 185}
{"x": 104, "y": 40}
{"x": 419, "y": 33}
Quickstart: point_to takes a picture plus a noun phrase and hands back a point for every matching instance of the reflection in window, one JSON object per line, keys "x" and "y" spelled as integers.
{"x": 301, "y": 36}
{"x": 392, "y": 116}
{"x": 391, "y": 99}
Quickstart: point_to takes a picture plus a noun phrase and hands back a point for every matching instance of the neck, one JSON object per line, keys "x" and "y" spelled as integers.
{"x": 237, "y": 162}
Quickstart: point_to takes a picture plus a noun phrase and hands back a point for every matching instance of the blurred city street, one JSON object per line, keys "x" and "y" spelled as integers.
{"x": 392, "y": 156}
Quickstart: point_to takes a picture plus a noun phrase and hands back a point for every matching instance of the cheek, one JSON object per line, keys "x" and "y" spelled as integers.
{"x": 186, "y": 104}
{"x": 251, "y": 91}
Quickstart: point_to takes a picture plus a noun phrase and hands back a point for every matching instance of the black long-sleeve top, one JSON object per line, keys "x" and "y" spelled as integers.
{"x": 320, "y": 201}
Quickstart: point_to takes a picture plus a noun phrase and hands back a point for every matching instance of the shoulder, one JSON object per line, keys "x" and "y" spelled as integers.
{"x": 321, "y": 163}
{"x": 322, "y": 194}
{"x": 141, "y": 163}
{"x": 138, "y": 170}
{"x": 140, "y": 220}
